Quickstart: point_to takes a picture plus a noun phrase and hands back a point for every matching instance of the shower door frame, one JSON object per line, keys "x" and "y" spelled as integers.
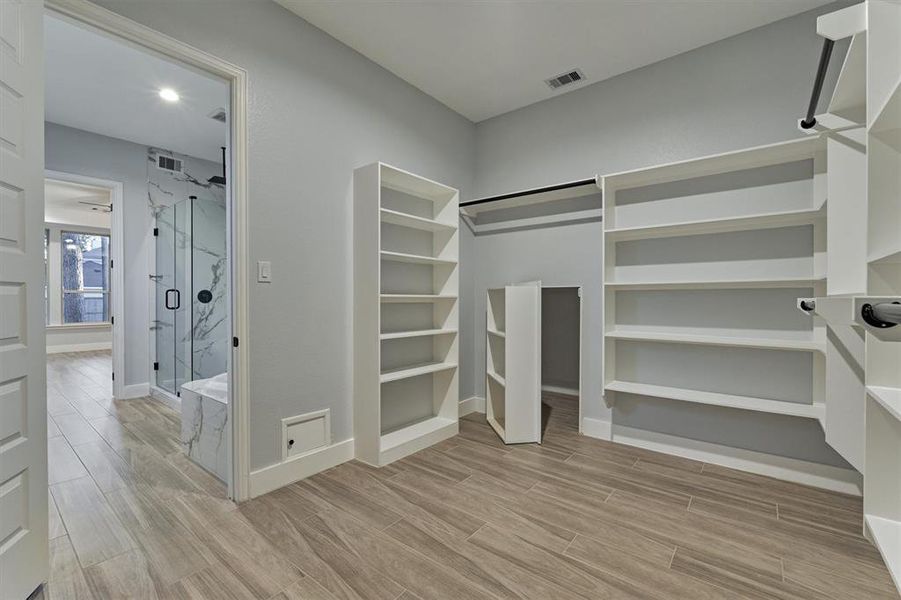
{"x": 122, "y": 28}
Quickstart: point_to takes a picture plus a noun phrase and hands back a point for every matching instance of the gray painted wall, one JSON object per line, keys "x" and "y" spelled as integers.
{"x": 84, "y": 153}
{"x": 317, "y": 110}
{"x": 560, "y": 337}
{"x": 743, "y": 91}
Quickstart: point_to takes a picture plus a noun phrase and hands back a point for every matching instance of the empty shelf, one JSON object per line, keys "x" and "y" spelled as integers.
{"x": 399, "y": 335}
{"x": 415, "y": 258}
{"x": 415, "y": 370}
{"x": 888, "y": 397}
{"x": 720, "y": 340}
{"x": 720, "y": 225}
{"x": 413, "y": 432}
{"x": 716, "y": 284}
{"x": 777, "y": 407}
{"x": 888, "y": 257}
{"x": 497, "y": 378}
{"x": 405, "y": 220}
{"x": 887, "y": 537}
{"x": 498, "y": 333}
{"x": 415, "y": 298}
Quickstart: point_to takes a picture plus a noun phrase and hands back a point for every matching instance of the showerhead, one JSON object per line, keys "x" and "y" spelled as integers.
{"x": 219, "y": 179}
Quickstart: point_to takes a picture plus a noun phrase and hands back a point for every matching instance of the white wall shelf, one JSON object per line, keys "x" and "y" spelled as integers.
{"x": 888, "y": 397}
{"x": 497, "y": 378}
{"x": 689, "y": 284}
{"x": 776, "y": 407}
{"x": 407, "y": 220}
{"x": 406, "y": 313}
{"x": 720, "y": 340}
{"x": 406, "y": 372}
{"x": 415, "y": 258}
{"x": 886, "y": 535}
{"x": 400, "y": 335}
{"x": 415, "y": 298}
{"x": 513, "y": 357}
{"x": 719, "y": 225}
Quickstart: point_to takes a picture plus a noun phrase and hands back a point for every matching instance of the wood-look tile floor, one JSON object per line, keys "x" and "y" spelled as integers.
{"x": 469, "y": 518}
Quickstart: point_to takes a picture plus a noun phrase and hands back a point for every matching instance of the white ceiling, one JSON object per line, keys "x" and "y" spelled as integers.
{"x": 484, "y": 58}
{"x": 98, "y": 84}
{"x": 76, "y": 204}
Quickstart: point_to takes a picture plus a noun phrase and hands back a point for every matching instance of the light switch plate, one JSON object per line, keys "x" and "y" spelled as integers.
{"x": 264, "y": 271}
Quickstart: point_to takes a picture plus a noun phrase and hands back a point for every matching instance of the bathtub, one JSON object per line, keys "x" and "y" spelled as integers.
{"x": 204, "y": 416}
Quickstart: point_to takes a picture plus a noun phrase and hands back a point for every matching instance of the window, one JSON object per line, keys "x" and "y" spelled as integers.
{"x": 85, "y": 277}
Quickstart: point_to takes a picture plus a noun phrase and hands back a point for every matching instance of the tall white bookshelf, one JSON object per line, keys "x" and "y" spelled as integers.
{"x": 406, "y": 315}
{"x": 703, "y": 261}
{"x": 513, "y": 356}
{"x": 882, "y": 477}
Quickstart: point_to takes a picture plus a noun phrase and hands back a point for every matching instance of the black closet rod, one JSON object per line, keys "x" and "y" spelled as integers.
{"x": 541, "y": 190}
{"x": 825, "y": 55}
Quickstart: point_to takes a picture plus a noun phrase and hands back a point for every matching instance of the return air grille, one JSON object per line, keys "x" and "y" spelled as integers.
{"x": 565, "y": 79}
{"x": 167, "y": 163}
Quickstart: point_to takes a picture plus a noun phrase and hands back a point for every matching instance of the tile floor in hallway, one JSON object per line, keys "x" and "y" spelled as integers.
{"x": 470, "y": 518}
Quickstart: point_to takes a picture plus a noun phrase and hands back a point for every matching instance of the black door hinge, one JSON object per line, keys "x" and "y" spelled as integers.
{"x": 114, "y": 376}
{"x": 156, "y": 366}
{"x": 111, "y": 263}
{"x": 112, "y": 320}
{"x": 235, "y": 342}
{"x": 156, "y": 231}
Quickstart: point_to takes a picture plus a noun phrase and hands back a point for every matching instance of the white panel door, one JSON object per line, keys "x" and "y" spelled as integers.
{"x": 23, "y": 406}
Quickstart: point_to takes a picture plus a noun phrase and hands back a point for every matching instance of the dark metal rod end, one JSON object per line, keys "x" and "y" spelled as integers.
{"x": 825, "y": 55}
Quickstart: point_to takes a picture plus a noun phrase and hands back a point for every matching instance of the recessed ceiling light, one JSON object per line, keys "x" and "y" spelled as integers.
{"x": 169, "y": 95}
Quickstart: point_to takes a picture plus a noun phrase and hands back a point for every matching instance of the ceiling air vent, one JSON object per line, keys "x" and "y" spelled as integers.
{"x": 167, "y": 163}
{"x": 565, "y": 79}
{"x": 218, "y": 115}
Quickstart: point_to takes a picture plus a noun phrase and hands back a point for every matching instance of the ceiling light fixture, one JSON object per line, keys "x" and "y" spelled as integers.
{"x": 169, "y": 95}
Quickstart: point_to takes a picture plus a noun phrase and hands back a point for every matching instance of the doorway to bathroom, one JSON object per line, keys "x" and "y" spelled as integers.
{"x": 163, "y": 129}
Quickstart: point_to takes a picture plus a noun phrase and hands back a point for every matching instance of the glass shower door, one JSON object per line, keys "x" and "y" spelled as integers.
{"x": 172, "y": 305}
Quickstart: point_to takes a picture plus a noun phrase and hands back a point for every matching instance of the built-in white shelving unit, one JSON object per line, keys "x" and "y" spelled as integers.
{"x": 405, "y": 313}
{"x": 882, "y": 477}
{"x": 863, "y": 399}
{"x": 702, "y": 262}
{"x": 513, "y": 380}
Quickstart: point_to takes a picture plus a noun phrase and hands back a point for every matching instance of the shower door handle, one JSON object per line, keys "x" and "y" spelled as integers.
{"x": 177, "y": 303}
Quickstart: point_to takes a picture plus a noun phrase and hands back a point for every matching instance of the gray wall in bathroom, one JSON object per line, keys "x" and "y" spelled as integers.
{"x": 317, "y": 110}
{"x": 743, "y": 91}
{"x": 84, "y": 153}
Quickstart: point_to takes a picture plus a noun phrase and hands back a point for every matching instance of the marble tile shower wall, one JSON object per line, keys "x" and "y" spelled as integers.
{"x": 199, "y": 338}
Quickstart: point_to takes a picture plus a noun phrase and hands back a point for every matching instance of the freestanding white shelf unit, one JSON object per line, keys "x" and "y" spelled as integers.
{"x": 405, "y": 313}
{"x": 513, "y": 370}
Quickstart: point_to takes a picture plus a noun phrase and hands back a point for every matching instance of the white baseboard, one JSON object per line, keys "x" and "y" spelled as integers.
{"x": 837, "y": 479}
{"x": 596, "y": 428}
{"x": 137, "y": 390}
{"x": 556, "y": 389}
{"x": 61, "y": 348}
{"x": 299, "y": 467}
{"x": 475, "y": 404}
